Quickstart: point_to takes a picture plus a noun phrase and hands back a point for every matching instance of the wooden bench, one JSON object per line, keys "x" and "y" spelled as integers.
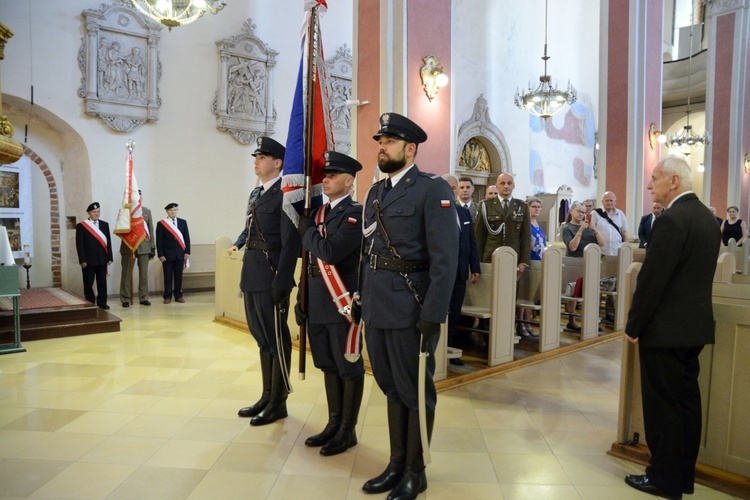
{"x": 200, "y": 276}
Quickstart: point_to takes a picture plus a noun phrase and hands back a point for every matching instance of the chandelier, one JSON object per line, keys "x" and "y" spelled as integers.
{"x": 172, "y": 13}
{"x": 546, "y": 100}
{"x": 687, "y": 141}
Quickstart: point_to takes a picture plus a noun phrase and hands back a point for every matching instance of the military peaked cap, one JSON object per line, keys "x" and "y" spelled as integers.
{"x": 401, "y": 127}
{"x": 267, "y": 146}
{"x": 339, "y": 163}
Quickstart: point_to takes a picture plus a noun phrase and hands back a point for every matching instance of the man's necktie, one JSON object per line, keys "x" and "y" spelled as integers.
{"x": 386, "y": 189}
{"x": 327, "y": 210}
{"x": 256, "y": 193}
{"x": 505, "y": 206}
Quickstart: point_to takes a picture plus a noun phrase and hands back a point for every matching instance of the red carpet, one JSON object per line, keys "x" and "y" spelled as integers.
{"x": 43, "y": 298}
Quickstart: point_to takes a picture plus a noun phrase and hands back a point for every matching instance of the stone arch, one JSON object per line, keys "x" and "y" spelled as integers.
{"x": 62, "y": 157}
{"x": 481, "y": 128}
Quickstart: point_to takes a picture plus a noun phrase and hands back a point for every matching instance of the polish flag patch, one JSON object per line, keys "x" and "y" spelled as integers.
{"x": 351, "y": 220}
{"x": 445, "y": 203}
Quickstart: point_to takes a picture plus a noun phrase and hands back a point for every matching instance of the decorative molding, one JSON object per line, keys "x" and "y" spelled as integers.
{"x": 340, "y": 70}
{"x": 719, "y": 7}
{"x": 243, "y": 104}
{"x": 480, "y": 128}
{"x": 120, "y": 66}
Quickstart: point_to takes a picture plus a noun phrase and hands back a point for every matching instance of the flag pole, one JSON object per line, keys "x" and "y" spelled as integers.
{"x": 310, "y": 95}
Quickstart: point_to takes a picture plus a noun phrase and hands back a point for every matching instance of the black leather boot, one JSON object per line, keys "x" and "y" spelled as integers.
{"x": 414, "y": 480}
{"x": 346, "y": 437}
{"x": 398, "y": 419}
{"x": 334, "y": 395}
{"x": 276, "y": 407}
{"x": 266, "y": 359}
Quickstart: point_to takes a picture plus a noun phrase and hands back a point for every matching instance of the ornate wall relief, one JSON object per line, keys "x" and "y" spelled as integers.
{"x": 340, "y": 91}
{"x": 483, "y": 153}
{"x": 244, "y": 101}
{"x": 120, "y": 66}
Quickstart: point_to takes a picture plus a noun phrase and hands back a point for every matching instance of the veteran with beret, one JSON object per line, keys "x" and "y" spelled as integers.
{"x": 333, "y": 236}
{"x": 173, "y": 247}
{"x": 411, "y": 241}
{"x": 272, "y": 246}
{"x": 94, "y": 248}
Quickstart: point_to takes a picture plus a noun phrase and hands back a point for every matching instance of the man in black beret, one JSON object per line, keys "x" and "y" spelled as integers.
{"x": 272, "y": 247}
{"x": 94, "y": 248}
{"x": 333, "y": 236}
{"x": 411, "y": 237}
{"x": 173, "y": 247}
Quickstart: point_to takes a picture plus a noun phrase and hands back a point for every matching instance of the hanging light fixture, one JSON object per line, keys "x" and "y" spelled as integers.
{"x": 546, "y": 100}
{"x": 172, "y": 13}
{"x": 687, "y": 141}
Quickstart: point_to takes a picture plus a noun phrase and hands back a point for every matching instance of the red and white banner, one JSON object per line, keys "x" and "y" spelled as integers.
{"x": 130, "y": 225}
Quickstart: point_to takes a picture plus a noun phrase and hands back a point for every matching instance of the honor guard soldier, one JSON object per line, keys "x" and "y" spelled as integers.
{"x": 94, "y": 249}
{"x": 411, "y": 252}
{"x": 333, "y": 236}
{"x": 272, "y": 247}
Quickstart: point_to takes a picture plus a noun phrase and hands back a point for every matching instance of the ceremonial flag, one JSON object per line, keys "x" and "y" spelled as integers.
{"x": 130, "y": 225}
{"x": 310, "y": 129}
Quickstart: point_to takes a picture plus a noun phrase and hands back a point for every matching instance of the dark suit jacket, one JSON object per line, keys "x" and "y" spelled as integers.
{"x": 147, "y": 246}
{"x": 167, "y": 245}
{"x": 341, "y": 248}
{"x": 468, "y": 255}
{"x": 421, "y": 221}
{"x": 644, "y": 230}
{"x": 672, "y": 301}
{"x": 517, "y": 234}
{"x": 278, "y": 230}
{"x": 88, "y": 247}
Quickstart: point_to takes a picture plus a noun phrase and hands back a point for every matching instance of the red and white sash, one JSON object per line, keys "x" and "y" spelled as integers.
{"x": 340, "y": 296}
{"x": 88, "y": 224}
{"x": 172, "y": 228}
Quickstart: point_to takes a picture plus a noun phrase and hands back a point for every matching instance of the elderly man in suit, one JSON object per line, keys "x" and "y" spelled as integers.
{"x": 145, "y": 252}
{"x": 272, "y": 246}
{"x": 411, "y": 239}
{"x": 671, "y": 319}
{"x": 647, "y": 222}
{"x": 333, "y": 236}
{"x": 504, "y": 221}
{"x": 94, "y": 248}
{"x": 173, "y": 245}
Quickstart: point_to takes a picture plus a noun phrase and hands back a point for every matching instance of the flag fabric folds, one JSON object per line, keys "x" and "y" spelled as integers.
{"x": 130, "y": 225}
{"x": 293, "y": 180}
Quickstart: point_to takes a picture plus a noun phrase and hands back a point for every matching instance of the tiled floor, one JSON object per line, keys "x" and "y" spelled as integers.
{"x": 150, "y": 413}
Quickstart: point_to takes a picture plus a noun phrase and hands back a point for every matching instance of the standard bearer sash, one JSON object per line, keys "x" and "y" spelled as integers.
{"x": 172, "y": 228}
{"x": 96, "y": 233}
{"x": 340, "y": 296}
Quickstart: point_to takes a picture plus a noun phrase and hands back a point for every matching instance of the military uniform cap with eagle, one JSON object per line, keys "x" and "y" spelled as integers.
{"x": 401, "y": 127}
{"x": 267, "y": 146}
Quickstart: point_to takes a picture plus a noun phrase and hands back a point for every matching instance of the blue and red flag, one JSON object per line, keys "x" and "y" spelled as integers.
{"x": 310, "y": 121}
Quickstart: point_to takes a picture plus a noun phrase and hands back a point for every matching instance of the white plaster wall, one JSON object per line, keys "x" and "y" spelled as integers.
{"x": 182, "y": 157}
{"x": 497, "y": 48}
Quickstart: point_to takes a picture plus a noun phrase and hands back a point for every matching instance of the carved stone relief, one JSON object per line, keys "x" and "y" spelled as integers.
{"x": 339, "y": 91}
{"x": 243, "y": 104}
{"x": 483, "y": 153}
{"x": 120, "y": 66}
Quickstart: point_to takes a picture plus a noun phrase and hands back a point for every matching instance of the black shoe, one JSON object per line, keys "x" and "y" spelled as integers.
{"x": 644, "y": 484}
{"x": 573, "y": 328}
{"x": 456, "y": 361}
{"x": 126, "y": 304}
{"x": 145, "y": 303}
{"x": 105, "y": 307}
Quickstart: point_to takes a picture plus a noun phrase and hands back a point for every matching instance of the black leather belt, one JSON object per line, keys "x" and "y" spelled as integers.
{"x": 262, "y": 245}
{"x": 402, "y": 266}
{"x": 313, "y": 271}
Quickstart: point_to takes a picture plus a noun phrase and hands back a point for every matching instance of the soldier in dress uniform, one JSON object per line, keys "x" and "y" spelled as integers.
{"x": 273, "y": 246}
{"x": 411, "y": 252}
{"x": 504, "y": 221}
{"x": 333, "y": 236}
{"x": 94, "y": 248}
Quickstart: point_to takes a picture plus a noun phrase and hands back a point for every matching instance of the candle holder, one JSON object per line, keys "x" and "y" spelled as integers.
{"x": 27, "y": 266}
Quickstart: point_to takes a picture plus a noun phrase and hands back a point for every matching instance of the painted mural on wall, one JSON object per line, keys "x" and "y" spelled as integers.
{"x": 244, "y": 104}
{"x": 339, "y": 91}
{"x": 120, "y": 66}
{"x": 562, "y": 150}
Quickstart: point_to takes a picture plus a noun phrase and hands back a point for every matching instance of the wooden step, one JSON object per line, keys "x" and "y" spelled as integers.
{"x": 41, "y": 324}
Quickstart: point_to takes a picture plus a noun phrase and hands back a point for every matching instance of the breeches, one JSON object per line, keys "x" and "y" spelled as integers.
{"x": 328, "y": 344}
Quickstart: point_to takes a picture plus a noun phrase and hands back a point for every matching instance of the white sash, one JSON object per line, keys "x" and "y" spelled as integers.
{"x": 172, "y": 228}
{"x": 96, "y": 233}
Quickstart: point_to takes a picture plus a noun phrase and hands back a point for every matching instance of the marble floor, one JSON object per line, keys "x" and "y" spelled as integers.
{"x": 151, "y": 413}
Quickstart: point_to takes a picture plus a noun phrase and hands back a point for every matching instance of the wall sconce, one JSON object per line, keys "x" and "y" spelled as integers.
{"x": 747, "y": 163}
{"x": 433, "y": 76}
{"x": 655, "y": 135}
